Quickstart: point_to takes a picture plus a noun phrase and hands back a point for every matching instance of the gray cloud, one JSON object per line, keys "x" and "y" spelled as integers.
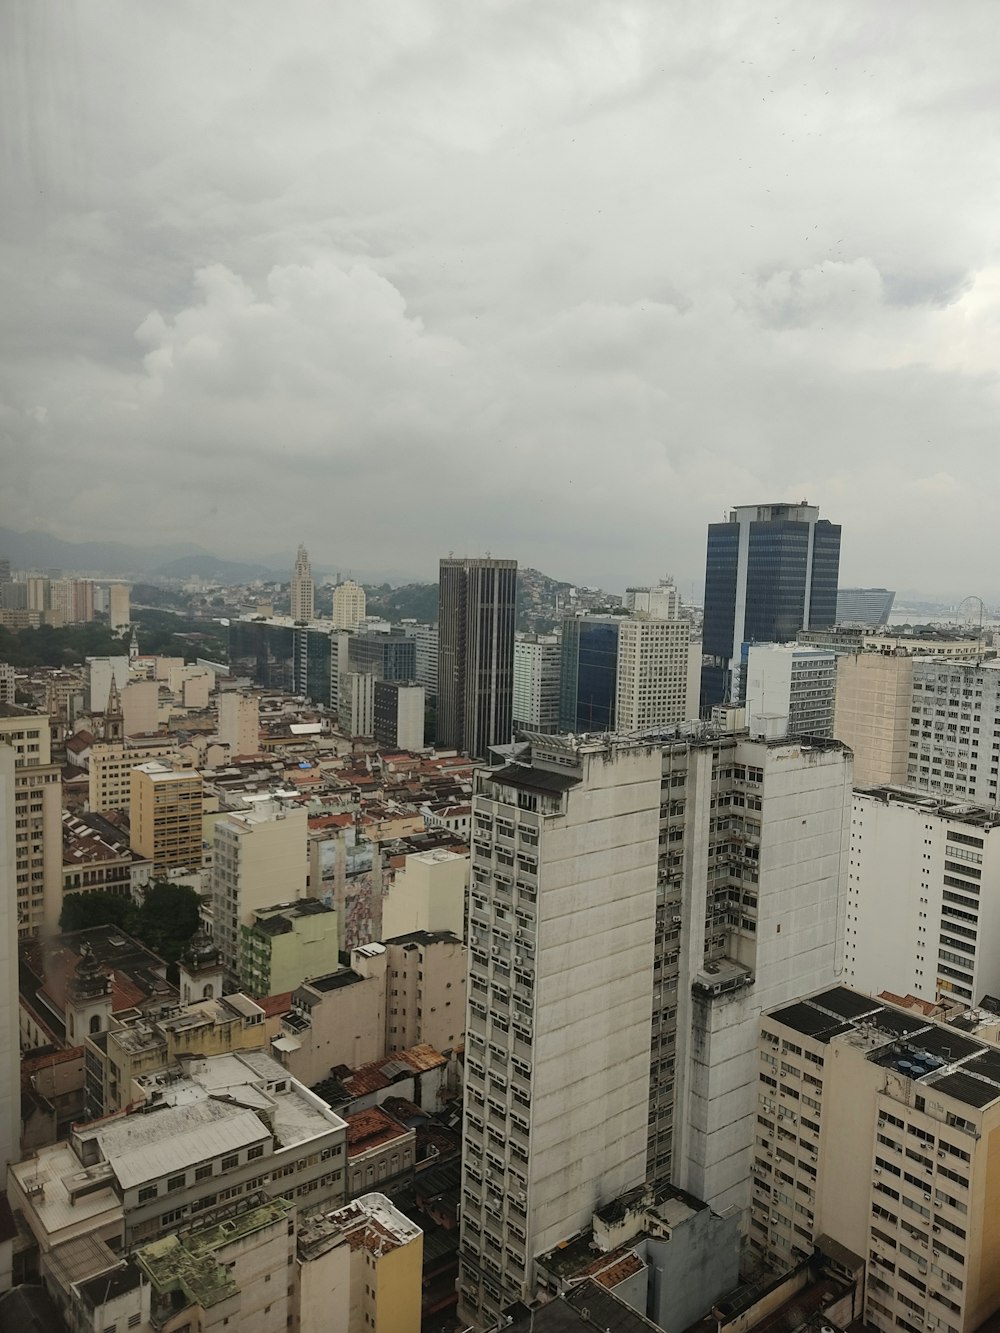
{"x": 556, "y": 279}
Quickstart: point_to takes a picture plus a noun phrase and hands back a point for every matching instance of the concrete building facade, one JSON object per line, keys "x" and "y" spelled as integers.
{"x": 239, "y": 722}
{"x": 790, "y": 690}
{"x": 36, "y": 885}
{"x": 165, "y": 814}
{"x": 651, "y": 686}
{"x": 476, "y": 654}
{"x": 537, "y": 670}
{"x": 348, "y": 605}
{"x": 923, "y": 911}
{"x": 398, "y": 714}
{"x": 565, "y": 851}
{"x": 877, "y": 1132}
{"x": 872, "y": 714}
{"x": 427, "y": 894}
{"x": 955, "y": 729}
{"x": 302, "y": 588}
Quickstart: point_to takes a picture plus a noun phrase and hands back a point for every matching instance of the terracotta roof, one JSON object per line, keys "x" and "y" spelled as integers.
{"x": 330, "y": 821}
{"x": 610, "y": 1270}
{"x": 274, "y": 1005}
{"x": 369, "y": 1129}
{"x": 79, "y": 741}
{"x": 926, "y": 1007}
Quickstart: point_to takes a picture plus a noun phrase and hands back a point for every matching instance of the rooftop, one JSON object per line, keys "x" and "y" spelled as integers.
{"x": 931, "y": 1054}
{"x": 370, "y": 1129}
{"x": 370, "y": 1222}
{"x": 964, "y": 812}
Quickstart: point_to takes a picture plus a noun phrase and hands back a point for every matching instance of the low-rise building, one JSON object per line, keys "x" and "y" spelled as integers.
{"x": 381, "y": 1152}
{"x": 427, "y": 894}
{"x": 336, "y": 1019}
{"x": 425, "y": 984}
{"x": 165, "y": 814}
{"x": 97, "y": 858}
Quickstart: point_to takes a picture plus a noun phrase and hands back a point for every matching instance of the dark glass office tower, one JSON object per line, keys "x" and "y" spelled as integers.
{"x": 476, "y": 608}
{"x": 770, "y": 571}
{"x": 589, "y": 673}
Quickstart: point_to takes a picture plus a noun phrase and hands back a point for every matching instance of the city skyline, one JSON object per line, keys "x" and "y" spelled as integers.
{"x": 645, "y": 267}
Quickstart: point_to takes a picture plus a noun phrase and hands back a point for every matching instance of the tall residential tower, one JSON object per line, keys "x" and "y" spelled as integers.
{"x": 302, "y": 587}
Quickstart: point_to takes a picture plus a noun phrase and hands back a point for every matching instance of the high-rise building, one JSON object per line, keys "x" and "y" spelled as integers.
{"x": 10, "y": 1063}
{"x": 589, "y": 673}
{"x": 791, "y": 690}
{"x": 476, "y": 613}
{"x": 651, "y": 689}
{"x": 749, "y": 888}
{"x": 770, "y": 571}
{"x": 356, "y": 703}
{"x": 259, "y": 857}
{"x": 165, "y": 813}
{"x": 877, "y": 1130}
{"x": 426, "y": 640}
{"x": 386, "y": 656}
{"x": 955, "y": 729}
{"x": 38, "y": 820}
{"x": 83, "y": 600}
{"x": 537, "y": 671}
{"x": 864, "y": 606}
{"x": 398, "y": 715}
{"x": 348, "y": 605}
{"x": 558, "y": 1027}
{"x": 118, "y": 606}
{"x": 872, "y": 714}
{"x": 923, "y": 903}
{"x": 239, "y": 722}
{"x": 8, "y": 683}
{"x": 302, "y": 591}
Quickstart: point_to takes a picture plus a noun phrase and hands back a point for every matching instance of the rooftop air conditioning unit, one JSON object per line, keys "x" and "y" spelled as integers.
{"x": 927, "y": 1198}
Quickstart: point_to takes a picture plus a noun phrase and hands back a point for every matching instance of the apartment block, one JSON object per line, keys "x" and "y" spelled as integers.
{"x": 923, "y": 909}
{"x": 428, "y": 893}
{"x": 360, "y": 1267}
{"x": 790, "y": 690}
{"x": 110, "y": 769}
{"x": 398, "y": 714}
{"x": 872, "y": 714}
{"x": 337, "y": 1019}
{"x": 348, "y": 605}
{"x": 239, "y": 722}
{"x": 537, "y": 671}
{"x": 955, "y": 729}
{"x": 651, "y": 685}
{"x": 98, "y": 859}
{"x": 165, "y": 813}
{"x": 286, "y": 943}
{"x": 426, "y": 655}
{"x": 260, "y": 856}
{"x": 10, "y": 1080}
{"x": 877, "y": 1130}
{"x": 37, "y": 828}
{"x": 426, "y": 987}
{"x": 564, "y": 854}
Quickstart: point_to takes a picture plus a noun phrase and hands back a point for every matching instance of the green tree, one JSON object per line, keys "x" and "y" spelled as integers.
{"x": 167, "y": 918}
{"x": 83, "y": 910}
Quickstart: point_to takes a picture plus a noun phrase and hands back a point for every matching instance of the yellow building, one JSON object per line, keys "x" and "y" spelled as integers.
{"x": 110, "y": 769}
{"x": 165, "y": 810}
{"x": 359, "y": 1268}
{"x": 37, "y": 819}
{"x": 879, "y": 1129}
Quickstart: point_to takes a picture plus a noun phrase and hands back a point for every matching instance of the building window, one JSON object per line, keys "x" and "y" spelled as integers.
{"x": 147, "y": 1193}
{"x": 203, "y": 1172}
{"x": 176, "y": 1182}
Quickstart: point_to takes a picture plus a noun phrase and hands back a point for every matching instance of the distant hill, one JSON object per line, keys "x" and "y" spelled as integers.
{"x": 40, "y": 550}
{"x": 216, "y": 570}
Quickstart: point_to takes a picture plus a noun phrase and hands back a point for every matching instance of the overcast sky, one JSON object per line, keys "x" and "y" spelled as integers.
{"x": 555, "y": 279}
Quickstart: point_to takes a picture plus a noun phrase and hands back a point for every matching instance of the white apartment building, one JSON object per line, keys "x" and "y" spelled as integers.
{"x": 537, "y": 670}
{"x": 260, "y": 856}
{"x": 558, "y": 1027}
{"x": 923, "y": 908}
{"x": 348, "y": 605}
{"x": 791, "y": 690}
{"x": 877, "y": 1130}
{"x": 955, "y": 729}
{"x": 356, "y": 703}
{"x": 651, "y": 687}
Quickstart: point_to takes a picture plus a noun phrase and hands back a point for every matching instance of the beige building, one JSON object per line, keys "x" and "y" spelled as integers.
{"x": 652, "y": 683}
{"x": 38, "y": 873}
{"x": 141, "y": 707}
{"x": 425, "y": 984}
{"x": 338, "y": 1019}
{"x": 348, "y": 605}
{"x": 427, "y": 894}
{"x": 260, "y": 856}
{"x": 381, "y": 1152}
{"x": 118, "y": 605}
{"x": 872, "y": 714}
{"x": 165, "y": 812}
{"x": 239, "y": 723}
{"x": 302, "y": 591}
{"x": 232, "y": 1271}
{"x": 360, "y": 1268}
{"x": 878, "y": 1129}
{"x": 110, "y": 769}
